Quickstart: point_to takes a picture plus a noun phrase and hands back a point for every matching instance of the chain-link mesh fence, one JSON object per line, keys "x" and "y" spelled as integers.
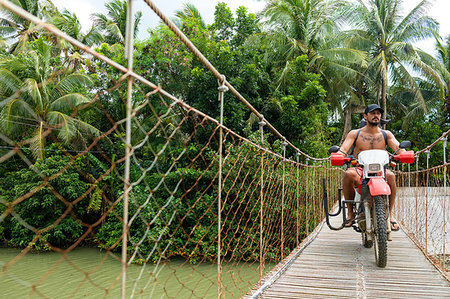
{"x": 423, "y": 201}
{"x": 94, "y": 154}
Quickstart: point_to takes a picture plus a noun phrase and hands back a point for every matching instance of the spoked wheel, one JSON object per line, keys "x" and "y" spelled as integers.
{"x": 379, "y": 230}
{"x": 366, "y": 243}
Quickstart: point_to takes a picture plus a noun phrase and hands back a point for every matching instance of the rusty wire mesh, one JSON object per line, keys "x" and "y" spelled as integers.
{"x": 70, "y": 199}
{"x": 172, "y": 204}
{"x": 269, "y": 203}
{"x": 423, "y": 202}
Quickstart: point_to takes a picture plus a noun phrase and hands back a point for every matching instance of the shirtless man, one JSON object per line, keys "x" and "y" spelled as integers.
{"x": 370, "y": 136}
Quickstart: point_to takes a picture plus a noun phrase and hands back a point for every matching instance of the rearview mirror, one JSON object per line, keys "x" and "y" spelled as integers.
{"x": 405, "y": 144}
{"x": 333, "y": 149}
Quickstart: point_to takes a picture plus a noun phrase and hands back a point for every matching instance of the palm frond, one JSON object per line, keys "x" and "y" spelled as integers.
{"x": 9, "y": 84}
{"x": 414, "y": 88}
{"x": 69, "y": 128}
{"x": 71, "y": 82}
{"x": 31, "y": 88}
{"x": 413, "y": 16}
{"x": 16, "y": 116}
{"x": 190, "y": 11}
{"x": 37, "y": 142}
{"x": 68, "y": 103}
{"x": 66, "y": 130}
{"x": 85, "y": 127}
{"x": 93, "y": 37}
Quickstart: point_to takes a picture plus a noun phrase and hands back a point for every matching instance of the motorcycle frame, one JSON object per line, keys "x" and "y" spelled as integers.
{"x": 365, "y": 198}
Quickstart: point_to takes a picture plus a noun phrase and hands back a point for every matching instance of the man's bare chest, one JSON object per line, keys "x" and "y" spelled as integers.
{"x": 369, "y": 141}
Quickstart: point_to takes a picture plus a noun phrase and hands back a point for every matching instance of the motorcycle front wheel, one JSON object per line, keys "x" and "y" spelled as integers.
{"x": 379, "y": 230}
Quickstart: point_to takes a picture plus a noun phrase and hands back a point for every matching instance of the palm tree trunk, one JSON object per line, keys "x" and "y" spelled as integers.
{"x": 348, "y": 112}
{"x": 447, "y": 104}
{"x": 347, "y": 122}
{"x": 383, "y": 98}
{"x": 378, "y": 96}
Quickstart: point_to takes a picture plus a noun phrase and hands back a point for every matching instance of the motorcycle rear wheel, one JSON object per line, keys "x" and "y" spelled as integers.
{"x": 379, "y": 230}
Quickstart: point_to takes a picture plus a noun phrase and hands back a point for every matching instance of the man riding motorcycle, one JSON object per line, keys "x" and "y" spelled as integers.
{"x": 371, "y": 136}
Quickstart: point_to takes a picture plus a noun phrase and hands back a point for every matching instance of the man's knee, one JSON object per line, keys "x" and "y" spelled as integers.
{"x": 350, "y": 175}
{"x": 390, "y": 176}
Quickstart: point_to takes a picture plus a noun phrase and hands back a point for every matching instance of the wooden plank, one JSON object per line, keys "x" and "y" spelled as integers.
{"x": 335, "y": 264}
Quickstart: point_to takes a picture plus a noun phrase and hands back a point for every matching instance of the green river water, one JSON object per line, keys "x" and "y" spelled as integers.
{"x": 90, "y": 273}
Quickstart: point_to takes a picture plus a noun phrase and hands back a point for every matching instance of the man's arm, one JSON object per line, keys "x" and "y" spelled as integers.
{"x": 393, "y": 143}
{"x": 348, "y": 142}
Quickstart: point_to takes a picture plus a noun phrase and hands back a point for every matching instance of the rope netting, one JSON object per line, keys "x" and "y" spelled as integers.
{"x": 177, "y": 203}
{"x": 423, "y": 202}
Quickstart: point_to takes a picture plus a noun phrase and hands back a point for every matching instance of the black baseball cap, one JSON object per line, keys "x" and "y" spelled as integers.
{"x": 373, "y": 107}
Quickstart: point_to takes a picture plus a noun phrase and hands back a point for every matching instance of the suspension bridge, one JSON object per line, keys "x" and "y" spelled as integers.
{"x": 335, "y": 264}
{"x": 204, "y": 212}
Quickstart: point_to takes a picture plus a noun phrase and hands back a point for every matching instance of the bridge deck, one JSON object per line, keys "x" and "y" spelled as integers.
{"x": 335, "y": 264}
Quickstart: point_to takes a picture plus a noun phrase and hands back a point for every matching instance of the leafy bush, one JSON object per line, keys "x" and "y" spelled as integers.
{"x": 43, "y": 194}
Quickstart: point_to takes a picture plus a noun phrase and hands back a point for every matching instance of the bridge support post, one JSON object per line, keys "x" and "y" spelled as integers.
{"x": 307, "y": 197}
{"x": 445, "y": 161}
{"x": 298, "y": 202}
{"x": 416, "y": 193}
{"x": 426, "y": 200}
{"x": 261, "y": 123}
{"x": 222, "y": 89}
{"x": 313, "y": 194}
{"x": 444, "y": 199}
{"x": 409, "y": 175}
{"x": 282, "y": 200}
{"x": 323, "y": 176}
{"x": 129, "y": 41}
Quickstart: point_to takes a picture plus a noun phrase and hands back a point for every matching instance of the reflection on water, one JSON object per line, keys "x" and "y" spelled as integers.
{"x": 90, "y": 273}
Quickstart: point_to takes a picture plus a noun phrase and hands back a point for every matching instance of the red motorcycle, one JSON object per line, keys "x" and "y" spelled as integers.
{"x": 371, "y": 202}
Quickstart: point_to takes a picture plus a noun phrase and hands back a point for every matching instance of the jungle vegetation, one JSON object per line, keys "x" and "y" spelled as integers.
{"x": 309, "y": 66}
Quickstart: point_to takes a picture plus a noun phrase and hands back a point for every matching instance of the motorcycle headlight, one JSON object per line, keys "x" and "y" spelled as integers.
{"x": 374, "y": 167}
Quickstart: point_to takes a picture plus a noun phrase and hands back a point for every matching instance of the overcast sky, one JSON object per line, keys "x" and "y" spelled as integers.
{"x": 439, "y": 10}
{"x": 84, "y": 8}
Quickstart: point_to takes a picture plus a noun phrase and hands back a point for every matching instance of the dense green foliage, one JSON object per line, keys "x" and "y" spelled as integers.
{"x": 45, "y": 206}
{"x": 294, "y": 65}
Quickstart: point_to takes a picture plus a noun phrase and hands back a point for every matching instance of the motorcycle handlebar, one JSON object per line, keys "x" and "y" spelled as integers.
{"x": 405, "y": 157}
{"x": 338, "y": 159}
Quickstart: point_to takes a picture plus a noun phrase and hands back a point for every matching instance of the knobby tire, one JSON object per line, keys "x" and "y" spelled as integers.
{"x": 380, "y": 230}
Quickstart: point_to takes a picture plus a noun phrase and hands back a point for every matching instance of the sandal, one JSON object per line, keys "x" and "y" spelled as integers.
{"x": 349, "y": 222}
{"x": 393, "y": 228}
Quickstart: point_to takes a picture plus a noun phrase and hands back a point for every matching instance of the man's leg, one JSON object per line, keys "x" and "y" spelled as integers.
{"x": 350, "y": 179}
{"x": 390, "y": 177}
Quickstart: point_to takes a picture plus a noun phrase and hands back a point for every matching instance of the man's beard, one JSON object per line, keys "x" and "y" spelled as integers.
{"x": 372, "y": 124}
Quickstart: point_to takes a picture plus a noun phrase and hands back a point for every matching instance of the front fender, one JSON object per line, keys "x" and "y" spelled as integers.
{"x": 378, "y": 186}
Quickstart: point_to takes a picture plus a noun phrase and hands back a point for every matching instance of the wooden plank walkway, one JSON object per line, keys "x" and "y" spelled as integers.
{"x": 335, "y": 264}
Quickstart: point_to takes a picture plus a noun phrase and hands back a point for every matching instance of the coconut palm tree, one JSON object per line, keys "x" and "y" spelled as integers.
{"x": 19, "y": 30}
{"x": 189, "y": 11}
{"x": 299, "y": 25}
{"x": 387, "y": 37}
{"x": 113, "y": 24}
{"x": 444, "y": 59}
{"x": 37, "y": 98}
{"x": 311, "y": 27}
{"x": 70, "y": 24}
